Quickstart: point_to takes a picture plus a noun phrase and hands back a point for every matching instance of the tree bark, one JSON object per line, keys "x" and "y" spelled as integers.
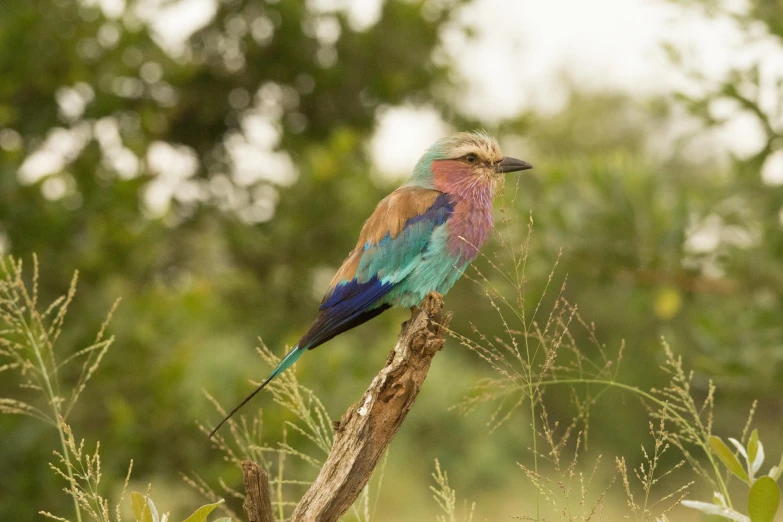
{"x": 258, "y": 502}
{"x": 368, "y": 427}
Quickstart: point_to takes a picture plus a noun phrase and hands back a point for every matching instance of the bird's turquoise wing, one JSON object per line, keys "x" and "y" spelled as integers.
{"x": 389, "y": 248}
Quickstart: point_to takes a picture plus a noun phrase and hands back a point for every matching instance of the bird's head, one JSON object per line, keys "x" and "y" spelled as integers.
{"x": 465, "y": 163}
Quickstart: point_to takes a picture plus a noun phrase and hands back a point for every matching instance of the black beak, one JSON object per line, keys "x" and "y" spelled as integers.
{"x": 511, "y": 165}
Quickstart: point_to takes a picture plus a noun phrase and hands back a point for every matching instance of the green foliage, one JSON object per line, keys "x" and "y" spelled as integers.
{"x": 763, "y": 500}
{"x": 763, "y": 493}
{"x": 728, "y": 458}
{"x": 143, "y": 508}
{"x": 145, "y": 511}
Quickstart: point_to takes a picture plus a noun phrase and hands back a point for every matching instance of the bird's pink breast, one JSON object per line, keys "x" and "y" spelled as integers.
{"x": 471, "y": 224}
{"x": 469, "y": 228}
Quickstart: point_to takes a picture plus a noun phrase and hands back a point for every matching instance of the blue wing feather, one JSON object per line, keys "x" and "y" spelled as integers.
{"x": 391, "y": 259}
{"x": 382, "y": 266}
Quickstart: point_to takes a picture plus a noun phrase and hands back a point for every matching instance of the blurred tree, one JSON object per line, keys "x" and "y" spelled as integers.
{"x": 738, "y": 235}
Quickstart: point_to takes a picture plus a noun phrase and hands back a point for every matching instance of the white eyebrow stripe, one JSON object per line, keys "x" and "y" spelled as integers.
{"x": 487, "y": 150}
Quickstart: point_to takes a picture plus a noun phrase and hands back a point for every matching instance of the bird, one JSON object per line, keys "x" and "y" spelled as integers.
{"x": 419, "y": 239}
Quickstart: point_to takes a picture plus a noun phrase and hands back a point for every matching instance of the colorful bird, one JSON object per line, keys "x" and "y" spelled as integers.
{"x": 420, "y": 239}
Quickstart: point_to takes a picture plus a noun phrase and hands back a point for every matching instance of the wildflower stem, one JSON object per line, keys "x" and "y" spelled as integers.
{"x": 531, "y": 389}
{"x": 53, "y": 401}
{"x": 658, "y": 402}
{"x": 531, "y": 393}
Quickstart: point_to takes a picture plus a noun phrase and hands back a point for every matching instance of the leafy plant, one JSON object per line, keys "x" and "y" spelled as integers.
{"x": 145, "y": 511}
{"x": 763, "y": 493}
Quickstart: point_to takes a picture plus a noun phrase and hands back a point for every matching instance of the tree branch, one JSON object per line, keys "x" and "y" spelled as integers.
{"x": 368, "y": 427}
{"x": 258, "y": 502}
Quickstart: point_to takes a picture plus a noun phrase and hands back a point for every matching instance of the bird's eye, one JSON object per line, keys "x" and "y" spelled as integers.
{"x": 471, "y": 158}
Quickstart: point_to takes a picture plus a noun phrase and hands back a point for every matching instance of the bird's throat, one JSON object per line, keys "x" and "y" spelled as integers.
{"x": 464, "y": 181}
{"x": 472, "y": 223}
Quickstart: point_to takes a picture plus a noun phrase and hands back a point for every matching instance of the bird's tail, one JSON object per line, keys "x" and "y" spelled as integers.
{"x": 282, "y": 366}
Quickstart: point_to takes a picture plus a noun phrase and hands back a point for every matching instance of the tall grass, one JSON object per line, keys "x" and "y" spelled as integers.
{"x": 537, "y": 352}
{"x": 446, "y": 498}
{"x": 82, "y": 473}
{"x": 28, "y": 343}
{"x": 246, "y": 439}
{"x": 29, "y": 337}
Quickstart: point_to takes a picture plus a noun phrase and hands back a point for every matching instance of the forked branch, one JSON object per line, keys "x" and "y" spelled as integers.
{"x": 368, "y": 427}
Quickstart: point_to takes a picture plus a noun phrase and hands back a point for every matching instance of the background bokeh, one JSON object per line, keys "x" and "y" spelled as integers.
{"x": 211, "y": 162}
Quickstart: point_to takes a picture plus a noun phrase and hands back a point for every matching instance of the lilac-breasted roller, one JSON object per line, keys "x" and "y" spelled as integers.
{"x": 419, "y": 239}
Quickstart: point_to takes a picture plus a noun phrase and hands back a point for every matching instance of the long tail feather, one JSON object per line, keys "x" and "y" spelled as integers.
{"x": 286, "y": 363}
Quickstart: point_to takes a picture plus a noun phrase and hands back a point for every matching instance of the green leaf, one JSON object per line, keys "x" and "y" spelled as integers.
{"x": 715, "y": 509}
{"x": 753, "y": 445}
{"x": 776, "y": 471}
{"x": 224, "y": 519}
{"x": 143, "y": 508}
{"x": 727, "y": 457}
{"x": 200, "y": 515}
{"x": 763, "y": 500}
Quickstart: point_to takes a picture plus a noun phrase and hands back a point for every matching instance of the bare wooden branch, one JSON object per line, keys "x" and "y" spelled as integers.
{"x": 368, "y": 427}
{"x": 258, "y": 502}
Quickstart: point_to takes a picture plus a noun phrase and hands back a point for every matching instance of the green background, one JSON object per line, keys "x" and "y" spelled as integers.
{"x": 202, "y": 281}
